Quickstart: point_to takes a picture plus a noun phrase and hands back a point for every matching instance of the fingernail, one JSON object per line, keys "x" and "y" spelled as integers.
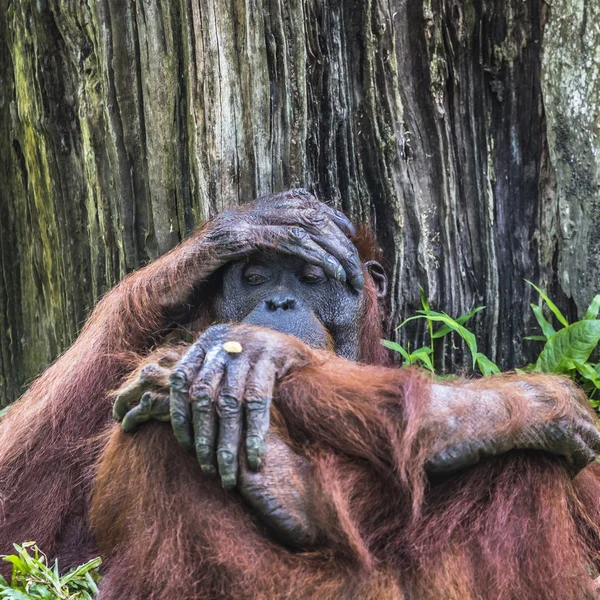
{"x": 340, "y": 274}
{"x": 228, "y": 482}
{"x": 255, "y": 463}
{"x": 209, "y": 470}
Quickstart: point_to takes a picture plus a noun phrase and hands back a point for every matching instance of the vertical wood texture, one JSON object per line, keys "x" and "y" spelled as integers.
{"x": 465, "y": 132}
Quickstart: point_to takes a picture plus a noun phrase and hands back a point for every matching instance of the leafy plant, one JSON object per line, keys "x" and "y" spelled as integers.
{"x": 33, "y": 579}
{"x": 567, "y": 346}
{"x": 425, "y": 354}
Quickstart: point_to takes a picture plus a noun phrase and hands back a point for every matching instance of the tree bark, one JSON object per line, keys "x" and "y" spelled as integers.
{"x": 465, "y": 132}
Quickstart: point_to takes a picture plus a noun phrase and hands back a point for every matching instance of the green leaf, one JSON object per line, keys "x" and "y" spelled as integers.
{"x": 550, "y": 304}
{"x": 568, "y": 347}
{"x": 486, "y": 366}
{"x": 545, "y": 325}
{"x": 594, "y": 308}
{"x": 422, "y": 354}
{"x": 464, "y": 333}
{"x": 424, "y": 301}
{"x": 81, "y": 570}
{"x": 445, "y": 330}
{"x": 588, "y": 372}
{"x": 397, "y": 348}
{"x": 535, "y": 338}
{"x": 11, "y": 594}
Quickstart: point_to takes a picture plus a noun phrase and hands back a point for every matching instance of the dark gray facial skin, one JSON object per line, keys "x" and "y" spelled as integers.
{"x": 291, "y": 296}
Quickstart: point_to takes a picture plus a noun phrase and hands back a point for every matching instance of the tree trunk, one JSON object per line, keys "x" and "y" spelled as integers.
{"x": 465, "y": 132}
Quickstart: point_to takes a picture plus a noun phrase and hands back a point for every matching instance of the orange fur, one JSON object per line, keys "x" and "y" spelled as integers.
{"x": 514, "y": 527}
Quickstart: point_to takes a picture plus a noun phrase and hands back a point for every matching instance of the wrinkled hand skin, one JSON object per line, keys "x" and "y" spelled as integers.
{"x": 293, "y": 223}
{"x": 278, "y": 486}
{"x": 469, "y": 426}
{"x": 214, "y": 391}
{"x": 280, "y": 493}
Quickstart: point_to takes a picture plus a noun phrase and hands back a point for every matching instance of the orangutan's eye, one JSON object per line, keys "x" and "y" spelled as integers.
{"x": 254, "y": 278}
{"x": 313, "y": 274}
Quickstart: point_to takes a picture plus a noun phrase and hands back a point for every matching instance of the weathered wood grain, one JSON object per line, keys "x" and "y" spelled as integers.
{"x": 124, "y": 123}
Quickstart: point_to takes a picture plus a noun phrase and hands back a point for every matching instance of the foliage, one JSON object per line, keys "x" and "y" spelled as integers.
{"x": 33, "y": 579}
{"x": 567, "y": 346}
{"x": 567, "y": 349}
{"x": 425, "y": 355}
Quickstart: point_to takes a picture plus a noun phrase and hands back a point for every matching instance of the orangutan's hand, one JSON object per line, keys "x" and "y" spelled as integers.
{"x": 293, "y": 222}
{"x": 280, "y": 491}
{"x": 227, "y": 378}
{"x": 474, "y": 420}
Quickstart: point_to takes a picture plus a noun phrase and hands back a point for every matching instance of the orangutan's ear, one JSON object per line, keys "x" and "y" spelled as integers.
{"x": 378, "y": 275}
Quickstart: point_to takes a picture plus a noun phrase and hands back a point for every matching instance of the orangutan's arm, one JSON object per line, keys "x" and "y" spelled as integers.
{"x": 58, "y": 420}
{"x": 398, "y": 417}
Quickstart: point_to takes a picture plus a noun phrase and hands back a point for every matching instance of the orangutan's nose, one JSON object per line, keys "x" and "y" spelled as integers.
{"x": 280, "y": 303}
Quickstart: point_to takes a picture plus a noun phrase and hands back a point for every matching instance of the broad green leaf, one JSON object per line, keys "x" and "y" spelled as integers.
{"x": 530, "y": 368}
{"x": 593, "y": 309}
{"x": 544, "y": 324}
{"x": 397, "y": 348}
{"x": 561, "y": 318}
{"x": 588, "y": 372}
{"x": 568, "y": 347}
{"x": 486, "y": 366}
{"x": 445, "y": 330}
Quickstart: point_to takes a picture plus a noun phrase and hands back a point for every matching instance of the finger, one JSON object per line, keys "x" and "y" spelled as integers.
{"x": 259, "y": 393}
{"x": 135, "y": 417}
{"x": 297, "y": 242}
{"x": 590, "y": 435}
{"x": 229, "y": 409}
{"x": 203, "y": 394}
{"x": 581, "y": 456}
{"x": 341, "y": 220}
{"x": 126, "y": 398}
{"x": 322, "y": 227}
{"x": 459, "y": 457}
{"x": 150, "y": 376}
{"x": 337, "y": 244}
{"x": 179, "y": 382}
{"x": 152, "y": 405}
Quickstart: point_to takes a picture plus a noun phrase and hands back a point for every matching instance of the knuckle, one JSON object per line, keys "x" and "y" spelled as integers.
{"x": 226, "y": 458}
{"x": 298, "y": 235}
{"x": 201, "y": 393}
{"x": 256, "y": 403}
{"x": 254, "y": 444}
{"x": 148, "y": 373}
{"x": 202, "y": 404}
{"x": 228, "y": 405}
{"x": 204, "y": 451}
{"x": 214, "y": 331}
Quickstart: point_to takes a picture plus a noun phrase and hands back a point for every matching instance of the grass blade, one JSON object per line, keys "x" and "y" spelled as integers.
{"x": 561, "y": 318}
